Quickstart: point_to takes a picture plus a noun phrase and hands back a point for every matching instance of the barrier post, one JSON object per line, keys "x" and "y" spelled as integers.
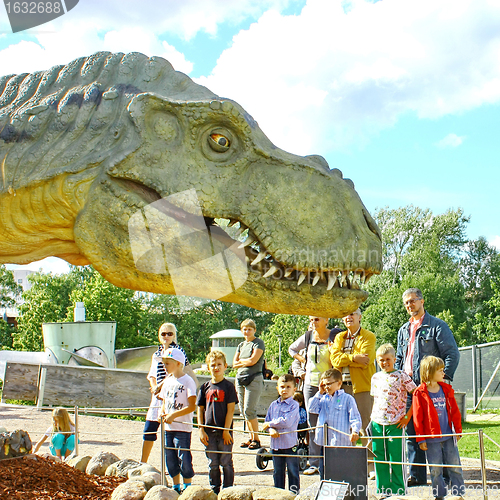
{"x": 76, "y": 430}
{"x": 162, "y": 441}
{"x": 483, "y": 464}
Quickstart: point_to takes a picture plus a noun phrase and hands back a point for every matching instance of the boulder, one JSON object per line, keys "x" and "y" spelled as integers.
{"x": 155, "y": 476}
{"x": 15, "y": 444}
{"x": 237, "y": 493}
{"x": 100, "y": 462}
{"x": 142, "y": 469}
{"x": 2, "y": 430}
{"x": 198, "y": 493}
{"x": 130, "y": 490}
{"x": 147, "y": 480}
{"x": 161, "y": 493}
{"x": 122, "y": 467}
{"x": 79, "y": 462}
{"x": 271, "y": 493}
{"x": 309, "y": 493}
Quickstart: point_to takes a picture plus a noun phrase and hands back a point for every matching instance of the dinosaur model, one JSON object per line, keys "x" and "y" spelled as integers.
{"x": 121, "y": 162}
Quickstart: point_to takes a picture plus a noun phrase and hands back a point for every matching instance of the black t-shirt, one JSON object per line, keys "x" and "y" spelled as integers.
{"x": 215, "y": 398}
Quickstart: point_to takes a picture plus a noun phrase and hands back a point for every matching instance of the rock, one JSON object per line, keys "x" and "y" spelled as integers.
{"x": 2, "y": 430}
{"x": 271, "y": 493}
{"x": 130, "y": 490}
{"x": 155, "y": 476}
{"x": 142, "y": 469}
{"x": 122, "y": 467}
{"x": 198, "y": 493}
{"x": 79, "y": 462}
{"x": 309, "y": 493}
{"x": 237, "y": 493}
{"x": 146, "y": 479}
{"x": 161, "y": 493}
{"x": 15, "y": 444}
{"x": 100, "y": 462}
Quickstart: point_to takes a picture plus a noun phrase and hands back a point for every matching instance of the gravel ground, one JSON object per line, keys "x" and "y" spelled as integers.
{"x": 124, "y": 439}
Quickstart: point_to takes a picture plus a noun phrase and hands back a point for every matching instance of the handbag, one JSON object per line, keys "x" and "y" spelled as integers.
{"x": 245, "y": 380}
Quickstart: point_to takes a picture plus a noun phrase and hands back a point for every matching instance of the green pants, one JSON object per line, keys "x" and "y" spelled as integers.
{"x": 389, "y": 476}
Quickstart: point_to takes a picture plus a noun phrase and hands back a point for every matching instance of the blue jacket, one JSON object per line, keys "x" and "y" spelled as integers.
{"x": 433, "y": 338}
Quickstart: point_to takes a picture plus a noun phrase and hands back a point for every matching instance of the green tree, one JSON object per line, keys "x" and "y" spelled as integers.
{"x": 9, "y": 291}
{"x": 487, "y": 322}
{"x": 290, "y": 328}
{"x": 106, "y": 302}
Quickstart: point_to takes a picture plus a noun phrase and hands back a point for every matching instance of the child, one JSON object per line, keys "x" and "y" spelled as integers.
{"x": 62, "y": 430}
{"x": 389, "y": 389}
{"x": 216, "y": 401}
{"x": 337, "y": 409}
{"x": 299, "y": 397}
{"x": 179, "y": 401}
{"x": 435, "y": 412}
{"x": 282, "y": 419}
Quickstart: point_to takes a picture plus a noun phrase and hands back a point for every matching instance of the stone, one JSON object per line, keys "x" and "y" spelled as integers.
{"x": 161, "y": 493}
{"x": 99, "y": 463}
{"x": 196, "y": 492}
{"x": 2, "y": 430}
{"x": 79, "y": 462}
{"x": 271, "y": 493}
{"x": 142, "y": 469}
{"x": 146, "y": 479}
{"x": 155, "y": 476}
{"x": 237, "y": 493}
{"x": 130, "y": 490}
{"x": 15, "y": 444}
{"x": 309, "y": 493}
{"x": 122, "y": 467}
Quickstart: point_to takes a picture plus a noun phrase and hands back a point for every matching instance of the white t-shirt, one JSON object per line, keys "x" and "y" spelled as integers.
{"x": 175, "y": 393}
{"x": 389, "y": 391}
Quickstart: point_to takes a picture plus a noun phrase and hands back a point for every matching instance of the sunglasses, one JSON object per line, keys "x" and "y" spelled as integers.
{"x": 167, "y": 334}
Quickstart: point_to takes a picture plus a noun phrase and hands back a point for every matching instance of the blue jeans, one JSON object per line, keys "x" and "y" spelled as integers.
{"x": 217, "y": 460}
{"x": 416, "y": 456}
{"x": 179, "y": 461}
{"x": 312, "y": 420}
{"x": 280, "y": 464}
{"x": 445, "y": 452}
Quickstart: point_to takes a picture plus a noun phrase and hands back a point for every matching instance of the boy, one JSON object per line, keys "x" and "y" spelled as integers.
{"x": 389, "y": 389}
{"x": 282, "y": 420}
{"x": 179, "y": 401}
{"x": 216, "y": 401}
{"x": 337, "y": 409}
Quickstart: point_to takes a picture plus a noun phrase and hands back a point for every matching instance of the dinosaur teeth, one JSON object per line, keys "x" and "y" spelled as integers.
{"x": 232, "y": 222}
{"x": 302, "y": 277}
{"x": 332, "y": 278}
{"x": 343, "y": 279}
{"x": 271, "y": 271}
{"x": 261, "y": 256}
{"x": 288, "y": 272}
{"x": 316, "y": 279}
{"x": 250, "y": 239}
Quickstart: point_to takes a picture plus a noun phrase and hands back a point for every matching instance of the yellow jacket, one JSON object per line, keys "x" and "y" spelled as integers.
{"x": 361, "y": 375}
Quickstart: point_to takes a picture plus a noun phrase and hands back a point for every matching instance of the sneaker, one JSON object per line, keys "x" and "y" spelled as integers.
{"x": 311, "y": 471}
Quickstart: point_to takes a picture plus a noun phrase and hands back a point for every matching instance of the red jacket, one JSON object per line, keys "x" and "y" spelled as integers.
{"x": 425, "y": 417}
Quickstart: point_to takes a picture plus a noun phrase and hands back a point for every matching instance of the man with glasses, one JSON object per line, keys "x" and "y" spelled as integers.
{"x": 423, "y": 335}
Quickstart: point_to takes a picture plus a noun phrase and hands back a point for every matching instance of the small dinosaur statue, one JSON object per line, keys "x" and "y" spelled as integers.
{"x": 121, "y": 162}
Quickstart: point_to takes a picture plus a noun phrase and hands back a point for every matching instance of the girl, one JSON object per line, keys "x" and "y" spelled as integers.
{"x": 62, "y": 430}
{"x": 436, "y": 413}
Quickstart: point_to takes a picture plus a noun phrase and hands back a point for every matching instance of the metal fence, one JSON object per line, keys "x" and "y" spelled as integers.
{"x": 478, "y": 375}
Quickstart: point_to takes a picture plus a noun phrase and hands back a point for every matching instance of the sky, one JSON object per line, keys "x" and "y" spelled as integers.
{"x": 403, "y": 96}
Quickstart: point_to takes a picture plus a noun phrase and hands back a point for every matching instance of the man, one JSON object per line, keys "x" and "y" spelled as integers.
{"x": 353, "y": 354}
{"x": 424, "y": 335}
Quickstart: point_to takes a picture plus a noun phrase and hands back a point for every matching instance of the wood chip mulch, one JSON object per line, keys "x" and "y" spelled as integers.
{"x": 34, "y": 477}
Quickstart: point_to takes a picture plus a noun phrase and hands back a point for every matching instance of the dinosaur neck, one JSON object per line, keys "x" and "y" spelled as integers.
{"x": 38, "y": 221}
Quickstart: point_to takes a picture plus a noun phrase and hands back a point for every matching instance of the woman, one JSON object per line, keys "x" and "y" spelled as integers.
{"x": 316, "y": 358}
{"x": 249, "y": 360}
{"x": 167, "y": 335}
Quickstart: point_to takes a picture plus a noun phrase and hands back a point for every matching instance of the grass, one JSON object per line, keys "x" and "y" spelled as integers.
{"x": 469, "y": 445}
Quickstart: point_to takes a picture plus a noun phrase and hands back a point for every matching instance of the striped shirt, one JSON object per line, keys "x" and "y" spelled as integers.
{"x": 338, "y": 411}
{"x": 158, "y": 371}
{"x": 283, "y": 415}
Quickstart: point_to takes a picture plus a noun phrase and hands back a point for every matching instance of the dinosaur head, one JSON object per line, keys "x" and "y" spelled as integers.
{"x": 201, "y": 203}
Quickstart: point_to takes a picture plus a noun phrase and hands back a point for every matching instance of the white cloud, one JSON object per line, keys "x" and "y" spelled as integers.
{"x": 333, "y": 75}
{"x": 495, "y": 241}
{"x": 450, "y": 141}
{"x": 49, "y": 265}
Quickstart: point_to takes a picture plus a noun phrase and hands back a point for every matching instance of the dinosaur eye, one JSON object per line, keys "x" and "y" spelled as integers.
{"x": 219, "y": 142}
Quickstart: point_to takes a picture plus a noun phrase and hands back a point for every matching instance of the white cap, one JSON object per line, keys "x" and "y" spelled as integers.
{"x": 174, "y": 353}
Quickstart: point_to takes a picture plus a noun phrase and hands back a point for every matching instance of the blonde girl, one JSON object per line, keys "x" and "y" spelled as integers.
{"x": 61, "y": 433}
